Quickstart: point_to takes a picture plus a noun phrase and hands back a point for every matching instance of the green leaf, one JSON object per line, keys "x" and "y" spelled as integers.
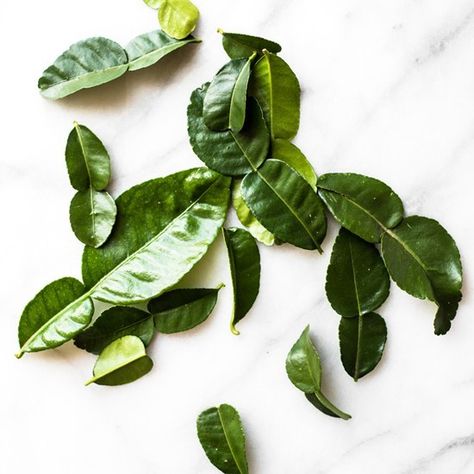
{"x": 362, "y": 341}
{"x": 92, "y": 215}
{"x": 277, "y": 90}
{"x": 228, "y": 153}
{"x": 423, "y": 260}
{"x": 226, "y": 99}
{"x": 243, "y": 46}
{"x": 244, "y": 261}
{"x": 325, "y": 406}
{"x": 285, "y": 151}
{"x": 87, "y": 160}
{"x": 55, "y": 315}
{"x": 123, "y": 361}
{"x": 222, "y": 437}
{"x": 178, "y": 18}
{"x": 357, "y": 281}
{"x": 303, "y": 365}
{"x": 182, "y": 309}
{"x": 285, "y": 204}
{"x": 149, "y": 48}
{"x": 363, "y": 205}
{"x": 85, "y": 64}
{"x": 248, "y": 219}
{"x": 165, "y": 226}
{"x": 114, "y": 323}
{"x": 155, "y": 4}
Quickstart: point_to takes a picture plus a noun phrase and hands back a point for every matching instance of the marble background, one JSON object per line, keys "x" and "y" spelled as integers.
{"x": 388, "y": 90}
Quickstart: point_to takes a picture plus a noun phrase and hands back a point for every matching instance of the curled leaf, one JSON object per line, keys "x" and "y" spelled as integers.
{"x": 237, "y": 45}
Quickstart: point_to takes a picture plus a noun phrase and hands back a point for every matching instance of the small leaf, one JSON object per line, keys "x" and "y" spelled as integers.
{"x": 155, "y": 4}
{"x": 363, "y": 205}
{"x": 423, "y": 260}
{"x": 222, "y": 437}
{"x": 178, "y": 18}
{"x": 325, "y": 406}
{"x": 85, "y": 64}
{"x": 92, "y": 215}
{"x": 243, "y": 46}
{"x": 362, "y": 341}
{"x": 148, "y": 48}
{"x": 277, "y": 90}
{"x": 285, "y": 204}
{"x": 123, "y": 361}
{"x": 114, "y": 323}
{"x": 244, "y": 260}
{"x": 87, "y": 160}
{"x": 229, "y": 153}
{"x": 182, "y": 309}
{"x": 54, "y": 316}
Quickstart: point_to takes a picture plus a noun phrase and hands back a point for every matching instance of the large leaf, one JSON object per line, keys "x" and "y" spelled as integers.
{"x": 362, "y": 341}
{"x": 92, "y": 215}
{"x": 85, "y": 64}
{"x": 243, "y": 46}
{"x": 424, "y": 261}
{"x": 229, "y": 153}
{"x": 55, "y": 315}
{"x": 357, "y": 281}
{"x": 285, "y": 204}
{"x": 149, "y": 48}
{"x": 87, "y": 160}
{"x": 244, "y": 261}
{"x": 182, "y": 309}
{"x": 178, "y": 18}
{"x": 222, "y": 437}
{"x": 114, "y": 323}
{"x": 277, "y": 90}
{"x": 164, "y": 227}
{"x": 363, "y": 205}
{"x": 123, "y": 361}
{"x": 226, "y": 99}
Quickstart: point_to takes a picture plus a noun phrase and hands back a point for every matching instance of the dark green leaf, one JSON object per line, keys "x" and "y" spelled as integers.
{"x": 285, "y": 204}
{"x": 222, "y": 437}
{"x": 229, "y": 153}
{"x": 424, "y": 261}
{"x": 92, "y": 215}
{"x": 244, "y": 260}
{"x": 182, "y": 309}
{"x": 123, "y": 361}
{"x": 325, "y": 406}
{"x": 87, "y": 160}
{"x": 178, "y": 18}
{"x": 114, "y": 323}
{"x": 363, "y": 205}
{"x": 243, "y": 46}
{"x": 55, "y": 315}
{"x": 362, "y": 341}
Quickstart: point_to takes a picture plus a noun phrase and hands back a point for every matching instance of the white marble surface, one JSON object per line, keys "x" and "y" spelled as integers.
{"x": 388, "y": 90}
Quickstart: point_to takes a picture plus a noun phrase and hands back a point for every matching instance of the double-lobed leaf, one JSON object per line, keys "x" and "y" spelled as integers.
{"x": 237, "y": 45}
{"x": 244, "y": 262}
{"x": 222, "y": 437}
{"x": 178, "y": 18}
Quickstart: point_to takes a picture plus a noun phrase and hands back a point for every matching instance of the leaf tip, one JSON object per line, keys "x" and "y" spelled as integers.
{"x": 220, "y": 31}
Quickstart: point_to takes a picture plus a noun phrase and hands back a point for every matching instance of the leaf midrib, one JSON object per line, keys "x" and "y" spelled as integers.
{"x": 237, "y": 463}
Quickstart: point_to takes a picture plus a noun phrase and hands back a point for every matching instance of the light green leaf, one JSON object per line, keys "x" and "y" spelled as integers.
{"x": 178, "y": 18}
{"x": 155, "y": 4}
{"x": 243, "y": 46}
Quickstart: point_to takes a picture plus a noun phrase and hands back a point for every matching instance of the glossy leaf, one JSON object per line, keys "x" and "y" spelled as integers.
{"x": 222, "y": 437}
{"x": 178, "y": 18}
{"x": 363, "y": 205}
{"x": 277, "y": 90}
{"x": 229, "y": 153}
{"x": 325, "y": 406}
{"x": 182, "y": 309}
{"x": 243, "y": 46}
{"x": 362, "y": 341}
{"x": 92, "y": 215}
{"x": 123, "y": 361}
{"x": 423, "y": 260}
{"x": 55, "y": 315}
{"x": 147, "y": 49}
{"x": 85, "y": 64}
{"x": 357, "y": 281}
{"x": 226, "y": 99}
{"x": 244, "y": 262}
{"x": 113, "y": 324}
{"x": 165, "y": 226}
{"x": 285, "y": 204}
{"x": 87, "y": 160}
